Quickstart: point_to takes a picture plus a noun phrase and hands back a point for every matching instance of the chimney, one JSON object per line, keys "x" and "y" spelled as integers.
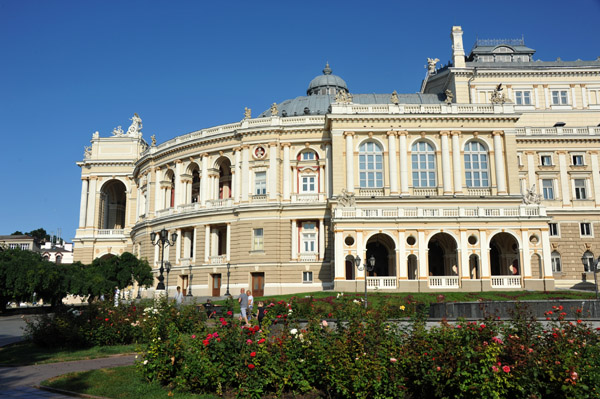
{"x": 458, "y": 51}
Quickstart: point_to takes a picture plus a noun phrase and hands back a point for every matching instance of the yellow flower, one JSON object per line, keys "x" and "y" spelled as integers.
{"x": 402, "y": 307}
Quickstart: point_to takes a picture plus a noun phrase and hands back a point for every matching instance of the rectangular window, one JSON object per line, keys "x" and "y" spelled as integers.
{"x": 13, "y": 246}
{"x": 24, "y": 246}
{"x": 260, "y": 183}
{"x": 546, "y": 160}
{"x": 585, "y": 229}
{"x": 257, "y": 240}
{"x": 548, "y": 189}
{"x": 594, "y": 96}
{"x": 308, "y": 238}
{"x": 556, "y": 267}
{"x": 308, "y": 184}
{"x": 560, "y": 97}
{"x": 553, "y": 229}
{"x": 577, "y": 160}
{"x": 580, "y": 192}
{"x": 523, "y": 97}
{"x": 307, "y": 277}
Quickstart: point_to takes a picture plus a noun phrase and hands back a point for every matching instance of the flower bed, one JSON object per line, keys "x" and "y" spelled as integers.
{"x": 366, "y": 356}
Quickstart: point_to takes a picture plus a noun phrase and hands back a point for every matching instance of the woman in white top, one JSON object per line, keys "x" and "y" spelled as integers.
{"x": 250, "y": 303}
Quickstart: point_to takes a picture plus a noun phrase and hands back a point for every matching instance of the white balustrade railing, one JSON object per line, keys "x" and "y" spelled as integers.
{"x": 220, "y": 203}
{"x": 381, "y": 283}
{"x": 165, "y": 212}
{"x": 217, "y": 260}
{"x": 371, "y": 192}
{"x": 439, "y": 212}
{"x": 443, "y": 282}
{"x": 185, "y": 261}
{"x": 506, "y": 282}
{"x": 425, "y": 191}
{"x": 307, "y": 197}
{"x": 308, "y": 257}
{"x": 479, "y": 191}
{"x": 259, "y": 198}
{"x": 550, "y": 131}
{"x": 110, "y": 232}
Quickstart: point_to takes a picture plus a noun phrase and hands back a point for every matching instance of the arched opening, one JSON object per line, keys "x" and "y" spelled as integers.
{"x": 168, "y": 187}
{"x": 504, "y": 255}
{"x": 349, "y": 264}
{"x": 193, "y": 192}
{"x": 536, "y": 266}
{"x": 442, "y": 255}
{"x": 382, "y": 248}
{"x": 113, "y": 201}
{"x": 224, "y": 178}
{"x": 411, "y": 264}
{"x": 474, "y": 268}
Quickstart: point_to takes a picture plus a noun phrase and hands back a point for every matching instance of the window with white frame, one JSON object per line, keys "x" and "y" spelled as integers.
{"x": 308, "y": 156}
{"x": 476, "y": 165}
{"x": 556, "y": 263}
{"x": 594, "y": 96}
{"x": 553, "y": 229}
{"x": 484, "y": 96}
{"x": 577, "y": 159}
{"x": 260, "y": 183}
{"x": 588, "y": 261}
{"x": 522, "y": 97}
{"x": 370, "y": 159}
{"x": 24, "y": 246}
{"x": 548, "y": 189}
{"x": 520, "y": 158}
{"x": 560, "y": 97}
{"x": 423, "y": 165}
{"x": 580, "y": 191}
{"x": 308, "y": 237}
{"x": 307, "y": 277}
{"x": 585, "y": 229}
{"x": 308, "y": 183}
{"x": 13, "y": 246}
{"x": 546, "y": 160}
{"x": 258, "y": 239}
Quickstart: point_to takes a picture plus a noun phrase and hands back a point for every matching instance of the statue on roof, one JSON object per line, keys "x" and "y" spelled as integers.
{"x": 449, "y": 96}
{"x": 274, "y": 111}
{"x": 135, "y": 129}
{"x": 497, "y": 96}
{"x": 153, "y": 138}
{"x": 343, "y": 97}
{"x": 118, "y": 131}
{"x": 247, "y": 113}
{"x": 394, "y": 98}
{"x": 96, "y": 135}
{"x": 87, "y": 152}
{"x": 431, "y": 64}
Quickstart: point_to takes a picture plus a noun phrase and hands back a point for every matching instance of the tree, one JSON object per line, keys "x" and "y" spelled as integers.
{"x": 39, "y": 235}
{"x": 21, "y": 274}
{"x": 17, "y": 233}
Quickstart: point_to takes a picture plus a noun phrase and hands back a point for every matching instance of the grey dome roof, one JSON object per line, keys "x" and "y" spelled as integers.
{"x": 325, "y": 81}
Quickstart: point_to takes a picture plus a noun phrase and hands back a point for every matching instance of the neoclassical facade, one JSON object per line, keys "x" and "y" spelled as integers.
{"x": 487, "y": 179}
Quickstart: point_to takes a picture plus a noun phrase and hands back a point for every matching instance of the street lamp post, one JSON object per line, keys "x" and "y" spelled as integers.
{"x": 168, "y": 269}
{"x": 162, "y": 238}
{"x": 190, "y": 282}
{"x": 593, "y": 264}
{"x": 228, "y": 266}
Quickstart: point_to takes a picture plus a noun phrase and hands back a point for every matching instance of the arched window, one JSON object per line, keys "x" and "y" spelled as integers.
{"x": 476, "y": 165}
{"x": 588, "y": 261}
{"x": 370, "y": 160}
{"x": 308, "y": 155}
{"x": 423, "y": 165}
{"x": 556, "y": 264}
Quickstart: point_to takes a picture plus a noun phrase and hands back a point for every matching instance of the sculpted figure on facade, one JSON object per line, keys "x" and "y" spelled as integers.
{"x": 274, "y": 110}
{"x": 531, "y": 197}
{"x": 87, "y": 152}
{"x": 449, "y": 96}
{"x": 346, "y": 200}
{"x": 431, "y": 64}
{"x": 118, "y": 131}
{"x": 135, "y": 130}
{"x": 394, "y": 98}
{"x": 497, "y": 96}
{"x": 247, "y": 113}
{"x": 343, "y": 97}
{"x": 153, "y": 138}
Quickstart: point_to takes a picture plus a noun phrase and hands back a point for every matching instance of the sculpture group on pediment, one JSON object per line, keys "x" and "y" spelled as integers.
{"x": 431, "y": 64}
{"x": 118, "y": 131}
{"x": 247, "y": 113}
{"x": 274, "y": 111}
{"x": 394, "y": 98}
{"x": 497, "y": 96}
{"x": 449, "y": 96}
{"x": 135, "y": 130}
{"x": 87, "y": 152}
{"x": 531, "y": 197}
{"x": 346, "y": 200}
{"x": 343, "y": 97}
{"x": 153, "y": 138}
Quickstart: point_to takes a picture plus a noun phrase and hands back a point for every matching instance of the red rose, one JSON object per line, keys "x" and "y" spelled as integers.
{"x": 106, "y": 319}
{"x": 205, "y": 342}
{"x": 506, "y": 369}
{"x": 252, "y": 354}
{"x": 251, "y": 366}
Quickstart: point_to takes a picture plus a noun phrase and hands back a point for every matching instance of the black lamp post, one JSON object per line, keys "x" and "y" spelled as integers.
{"x": 168, "y": 269}
{"x": 162, "y": 238}
{"x": 228, "y": 266}
{"x": 190, "y": 282}
{"x": 593, "y": 264}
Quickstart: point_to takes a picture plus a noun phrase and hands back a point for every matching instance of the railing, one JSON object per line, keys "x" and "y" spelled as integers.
{"x": 185, "y": 261}
{"x": 217, "y": 260}
{"x": 438, "y": 212}
{"x": 552, "y": 131}
{"x": 479, "y": 191}
{"x": 110, "y": 232}
{"x": 370, "y": 192}
{"x": 306, "y": 198}
{"x": 443, "y": 282}
{"x": 308, "y": 257}
{"x": 381, "y": 283}
{"x": 220, "y": 203}
{"x": 506, "y": 282}
{"x": 351, "y": 108}
{"x": 425, "y": 191}
{"x": 188, "y": 207}
{"x": 259, "y": 198}
{"x": 165, "y": 212}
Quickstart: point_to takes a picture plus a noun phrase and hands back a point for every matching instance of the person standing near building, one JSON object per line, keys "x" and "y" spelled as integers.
{"x": 250, "y": 304}
{"x": 243, "y": 301}
{"x": 178, "y": 296}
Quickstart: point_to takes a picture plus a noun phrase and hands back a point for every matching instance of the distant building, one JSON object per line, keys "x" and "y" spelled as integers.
{"x": 24, "y": 242}
{"x": 57, "y": 253}
{"x": 487, "y": 179}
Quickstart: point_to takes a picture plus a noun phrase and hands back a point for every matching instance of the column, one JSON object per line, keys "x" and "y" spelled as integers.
{"x": 194, "y": 246}
{"x": 206, "y": 242}
{"x": 294, "y": 240}
{"x": 546, "y": 255}
{"x": 456, "y": 163}
{"x": 584, "y": 102}
{"x": 547, "y": 96}
{"x": 245, "y": 172}
{"x": 349, "y": 162}
{"x": 238, "y": 175}
{"x": 484, "y": 258}
{"x": 403, "y": 163}
{"x": 84, "y": 201}
{"x": 401, "y": 256}
{"x": 328, "y": 171}
{"x": 286, "y": 172}
{"x": 595, "y": 176}
{"x": 321, "y": 239}
{"x": 573, "y": 97}
{"x": 525, "y": 255}
{"x": 422, "y": 261}
{"x": 464, "y": 256}
{"x": 564, "y": 178}
{"x": 228, "y": 243}
{"x": 91, "y": 207}
{"x": 446, "y": 171}
{"x": 178, "y": 243}
{"x": 393, "y": 162}
{"x": 321, "y": 179}
{"x": 360, "y": 251}
{"x": 273, "y": 171}
{"x": 178, "y": 183}
{"x": 531, "y": 169}
{"x": 340, "y": 262}
{"x": 138, "y": 203}
{"x": 204, "y": 180}
{"x": 157, "y": 196}
{"x": 499, "y": 162}
{"x": 156, "y": 255}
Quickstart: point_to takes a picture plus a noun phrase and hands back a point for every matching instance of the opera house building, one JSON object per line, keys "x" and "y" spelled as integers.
{"x": 488, "y": 178}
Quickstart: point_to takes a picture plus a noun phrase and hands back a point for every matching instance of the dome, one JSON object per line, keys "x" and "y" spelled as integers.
{"x": 326, "y": 83}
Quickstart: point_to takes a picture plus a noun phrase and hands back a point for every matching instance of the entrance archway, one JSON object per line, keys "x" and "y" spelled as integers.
{"x": 113, "y": 201}
{"x": 349, "y": 264}
{"x": 412, "y": 265}
{"x": 504, "y": 255}
{"x": 474, "y": 269}
{"x": 442, "y": 256}
{"x": 224, "y": 166}
{"x": 382, "y": 247}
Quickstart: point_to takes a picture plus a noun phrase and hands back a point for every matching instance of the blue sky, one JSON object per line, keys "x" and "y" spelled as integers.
{"x": 69, "y": 68}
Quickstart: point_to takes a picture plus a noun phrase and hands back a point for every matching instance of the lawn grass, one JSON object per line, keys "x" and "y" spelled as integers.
{"x": 27, "y": 353}
{"x": 118, "y": 382}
